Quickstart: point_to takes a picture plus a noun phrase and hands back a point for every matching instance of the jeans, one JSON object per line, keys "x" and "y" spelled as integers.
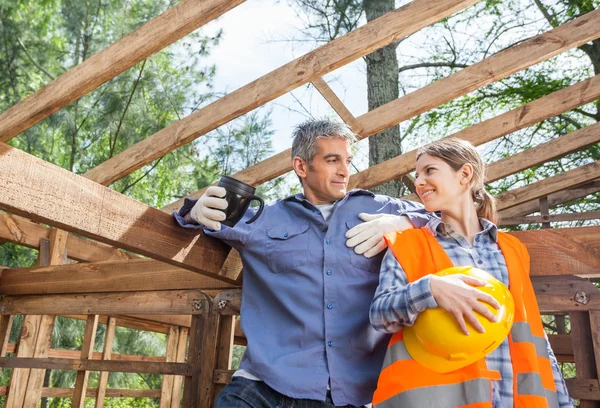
{"x": 244, "y": 393}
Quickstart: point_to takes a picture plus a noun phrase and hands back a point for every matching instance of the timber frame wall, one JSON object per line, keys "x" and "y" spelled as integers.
{"x": 190, "y": 288}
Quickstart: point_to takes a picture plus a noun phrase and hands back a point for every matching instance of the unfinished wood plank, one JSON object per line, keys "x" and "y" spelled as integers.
{"x": 565, "y": 294}
{"x": 337, "y": 105}
{"x": 150, "y": 302}
{"x": 106, "y": 355}
{"x": 109, "y": 276}
{"x": 239, "y": 336}
{"x": 26, "y": 346}
{"x": 180, "y": 358}
{"x": 583, "y": 389}
{"x": 112, "y": 366}
{"x": 110, "y": 393}
{"x": 555, "y": 199}
{"x": 191, "y": 387}
{"x": 6, "y": 323}
{"x": 87, "y": 349}
{"x": 428, "y": 97}
{"x": 166, "y": 389}
{"x": 173, "y": 24}
{"x": 562, "y": 346}
{"x": 76, "y": 354}
{"x": 232, "y": 268}
{"x": 537, "y": 219}
{"x": 386, "y": 29}
{"x": 208, "y": 361}
{"x": 595, "y": 333}
{"x": 47, "y": 193}
{"x": 35, "y": 382}
{"x": 224, "y": 349}
{"x": 21, "y": 231}
{"x": 583, "y": 349}
{"x": 547, "y": 186}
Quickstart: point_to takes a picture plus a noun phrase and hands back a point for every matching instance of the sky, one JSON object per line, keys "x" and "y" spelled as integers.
{"x": 248, "y": 52}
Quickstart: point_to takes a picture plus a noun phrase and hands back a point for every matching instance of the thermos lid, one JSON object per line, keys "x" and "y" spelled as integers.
{"x": 235, "y": 184}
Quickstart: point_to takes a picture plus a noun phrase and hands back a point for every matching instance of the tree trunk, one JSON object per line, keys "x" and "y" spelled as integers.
{"x": 382, "y": 87}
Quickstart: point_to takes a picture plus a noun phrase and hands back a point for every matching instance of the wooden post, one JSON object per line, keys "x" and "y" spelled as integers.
{"x": 544, "y": 210}
{"x": 166, "y": 390}
{"x": 225, "y": 348}
{"x": 52, "y": 252}
{"x": 583, "y": 349}
{"x": 178, "y": 380}
{"x": 86, "y": 354}
{"x": 106, "y": 355}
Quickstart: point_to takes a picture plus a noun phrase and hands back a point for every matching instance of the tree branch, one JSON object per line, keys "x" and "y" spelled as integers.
{"x": 432, "y": 65}
{"x": 127, "y": 187}
{"x": 113, "y": 143}
{"x": 33, "y": 61}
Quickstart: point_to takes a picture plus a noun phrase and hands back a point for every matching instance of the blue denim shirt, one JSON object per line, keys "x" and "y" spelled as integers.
{"x": 306, "y": 296}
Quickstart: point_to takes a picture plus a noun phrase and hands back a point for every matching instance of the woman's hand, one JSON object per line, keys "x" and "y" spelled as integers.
{"x": 457, "y": 295}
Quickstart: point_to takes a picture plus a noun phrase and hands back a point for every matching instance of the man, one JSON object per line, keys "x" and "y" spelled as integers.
{"x": 306, "y": 292}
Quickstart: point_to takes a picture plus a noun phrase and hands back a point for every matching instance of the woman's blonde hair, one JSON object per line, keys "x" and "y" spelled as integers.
{"x": 457, "y": 152}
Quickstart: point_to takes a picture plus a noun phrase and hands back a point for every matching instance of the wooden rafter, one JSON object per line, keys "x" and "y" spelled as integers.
{"x": 460, "y": 83}
{"x": 356, "y": 44}
{"x": 337, "y": 105}
{"x": 150, "y": 38}
{"x": 548, "y": 186}
{"x": 47, "y": 193}
{"x": 538, "y": 219}
{"x": 565, "y": 196}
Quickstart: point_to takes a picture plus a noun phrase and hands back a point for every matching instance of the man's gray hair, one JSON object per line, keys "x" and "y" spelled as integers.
{"x": 306, "y": 135}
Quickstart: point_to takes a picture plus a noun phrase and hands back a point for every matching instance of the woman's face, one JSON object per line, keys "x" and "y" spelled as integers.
{"x": 438, "y": 185}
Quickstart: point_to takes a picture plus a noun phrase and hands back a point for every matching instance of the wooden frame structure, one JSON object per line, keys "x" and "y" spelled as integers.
{"x": 189, "y": 289}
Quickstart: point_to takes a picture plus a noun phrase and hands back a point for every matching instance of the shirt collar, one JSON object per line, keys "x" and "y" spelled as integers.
{"x": 354, "y": 192}
{"x": 437, "y": 226}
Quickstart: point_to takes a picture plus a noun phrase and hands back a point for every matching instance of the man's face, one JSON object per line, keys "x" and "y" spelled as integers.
{"x": 325, "y": 178}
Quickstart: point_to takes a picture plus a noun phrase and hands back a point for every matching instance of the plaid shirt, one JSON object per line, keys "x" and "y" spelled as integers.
{"x": 397, "y": 303}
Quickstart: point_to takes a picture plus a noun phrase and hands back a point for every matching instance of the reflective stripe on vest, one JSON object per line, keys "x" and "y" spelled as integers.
{"x": 452, "y": 395}
{"x": 395, "y": 352}
{"x": 521, "y": 333}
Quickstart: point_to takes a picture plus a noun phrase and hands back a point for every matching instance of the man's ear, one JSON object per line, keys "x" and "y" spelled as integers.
{"x": 300, "y": 167}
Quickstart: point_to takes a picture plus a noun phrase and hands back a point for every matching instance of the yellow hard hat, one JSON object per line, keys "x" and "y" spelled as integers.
{"x": 436, "y": 341}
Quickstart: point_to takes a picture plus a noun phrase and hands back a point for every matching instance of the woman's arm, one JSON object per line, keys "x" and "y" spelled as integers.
{"x": 397, "y": 303}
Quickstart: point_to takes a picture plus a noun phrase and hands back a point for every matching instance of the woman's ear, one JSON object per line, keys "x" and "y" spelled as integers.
{"x": 466, "y": 173}
{"x": 300, "y": 166}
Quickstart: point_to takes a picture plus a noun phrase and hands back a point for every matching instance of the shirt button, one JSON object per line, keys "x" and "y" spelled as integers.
{"x": 330, "y": 306}
{"x": 329, "y": 272}
{"x": 330, "y": 343}
{"x": 286, "y": 235}
{"x": 477, "y": 238}
{"x": 480, "y": 262}
{"x": 328, "y": 242}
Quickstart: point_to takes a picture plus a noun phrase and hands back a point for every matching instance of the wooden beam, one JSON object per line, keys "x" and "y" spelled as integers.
{"x": 110, "y": 393}
{"x": 555, "y": 199}
{"x": 595, "y": 333}
{"x": 386, "y": 29}
{"x": 491, "y": 69}
{"x": 178, "y": 381}
{"x": 6, "y": 323}
{"x": 560, "y": 294}
{"x": 112, "y": 366}
{"x": 565, "y": 251}
{"x": 544, "y": 152}
{"x": 538, "y": 219}
{"x": 583, "y": 348}
{"x": 106, "y": 355}
{"x": 76, "y": 354}
{"x": 166, "y": 389}
{"x": 562, "y": 346}
{"x": 583, "y": 389}
{"x": 87, "y": 349}
{"x": 46, "y": 193}
{"x": 548, "y": 186}
{"x": 224, "y": 349}
{"x": 150, "y": 302}
{"x": 109, "y": 276}
{"x": 173, "y": 24}
{"x": 337, "y": 105}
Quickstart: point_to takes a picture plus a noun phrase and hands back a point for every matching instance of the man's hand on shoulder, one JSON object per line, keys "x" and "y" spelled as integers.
{"x": 367, "y": 238}
{"x": 207, "y": 210}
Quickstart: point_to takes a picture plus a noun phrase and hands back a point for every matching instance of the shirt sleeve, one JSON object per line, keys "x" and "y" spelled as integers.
{"x": 564, "y": 401}
{"x": 235, "y": 237}
{"x": 397, "y": 303}
{"x": 416, "y": 213}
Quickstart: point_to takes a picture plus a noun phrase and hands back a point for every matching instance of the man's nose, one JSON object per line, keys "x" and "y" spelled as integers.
{"x": 343, "y": 168}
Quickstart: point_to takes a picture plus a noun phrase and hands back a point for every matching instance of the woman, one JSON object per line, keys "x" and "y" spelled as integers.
{"x": 522, "y": 371}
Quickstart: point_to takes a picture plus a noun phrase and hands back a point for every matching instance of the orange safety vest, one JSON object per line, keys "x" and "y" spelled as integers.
{"x": 404, "y": 383}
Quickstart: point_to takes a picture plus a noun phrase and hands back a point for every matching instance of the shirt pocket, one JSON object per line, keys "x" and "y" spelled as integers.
{"x": 360, "y": 261}
{"x": 287, "y": 247}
